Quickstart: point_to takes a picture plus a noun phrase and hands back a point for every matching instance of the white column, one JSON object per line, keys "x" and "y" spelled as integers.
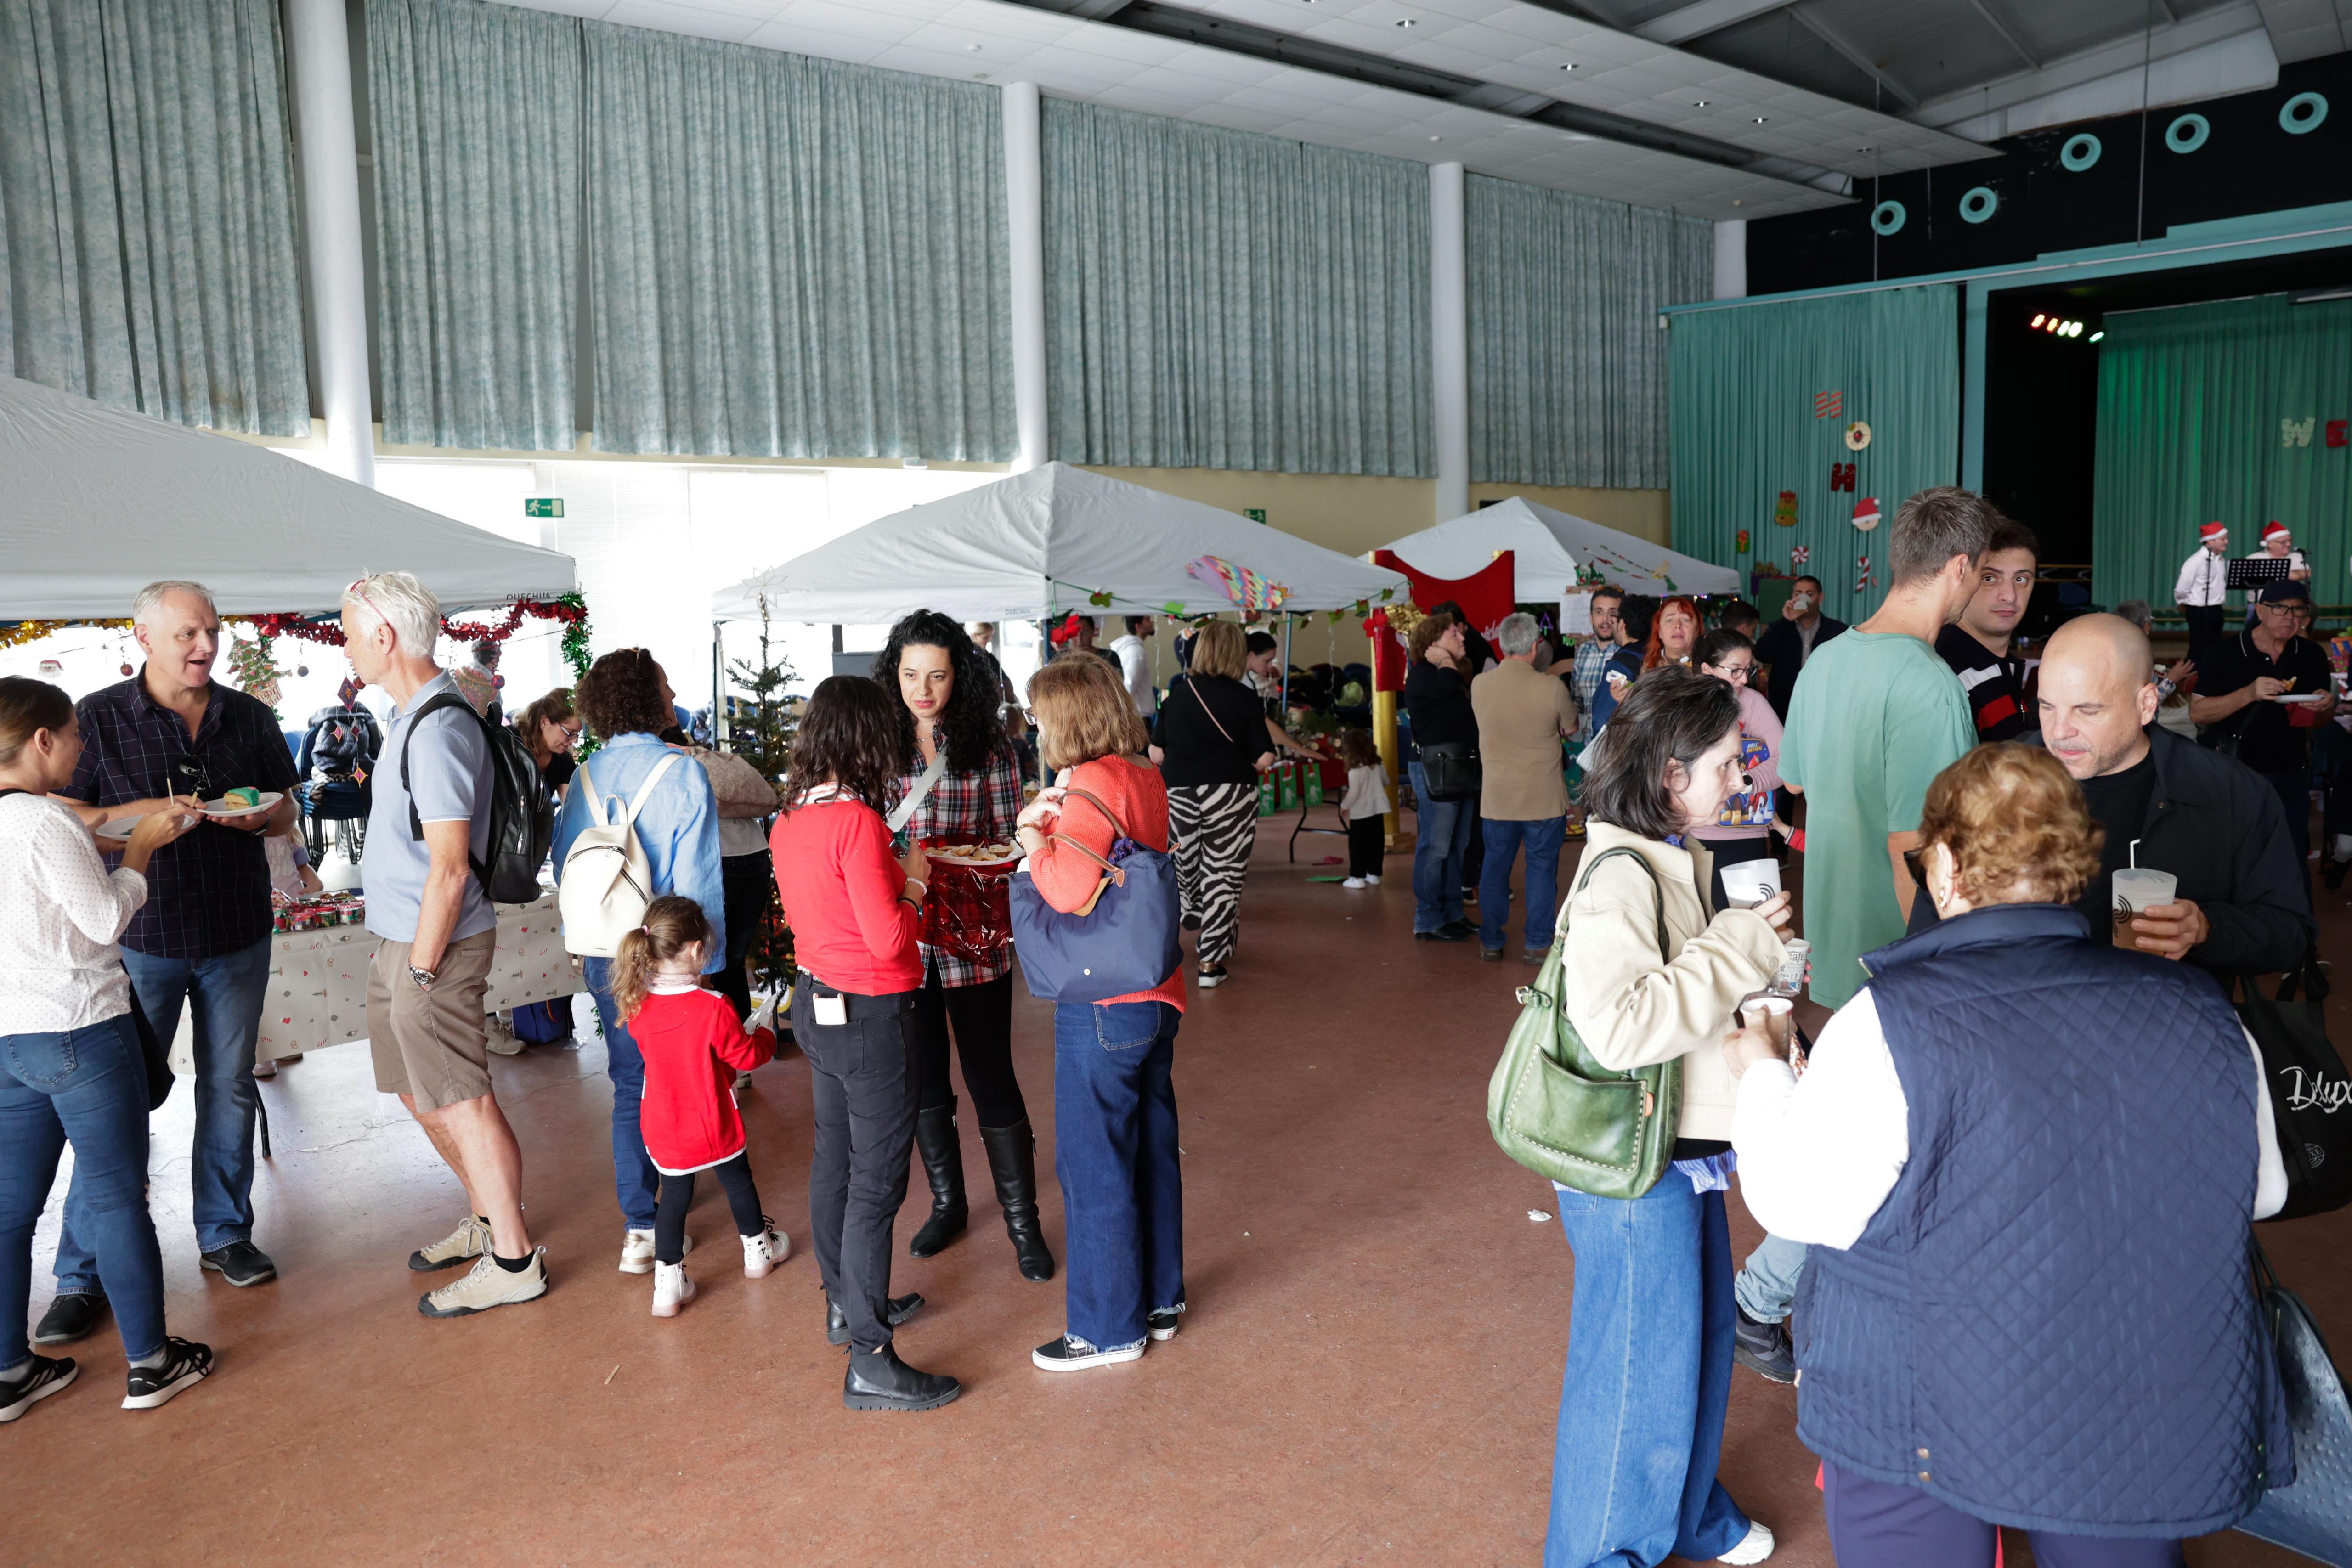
{"x": 1449, "y": 332}
{"x": 319, "y": 59}
{"x": 1024, "y": 183}
{"x": 1731, "y": 258}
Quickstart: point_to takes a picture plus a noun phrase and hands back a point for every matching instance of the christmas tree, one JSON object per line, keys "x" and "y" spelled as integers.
{"x": 759, "y": 727}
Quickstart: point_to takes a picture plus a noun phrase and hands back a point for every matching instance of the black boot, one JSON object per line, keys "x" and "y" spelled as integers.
{"x": 1013, "y": 1160}
{"x": 935, "y": 1138}
{"x": 879, "y": 1380}
{"x": 836, "y": 1322}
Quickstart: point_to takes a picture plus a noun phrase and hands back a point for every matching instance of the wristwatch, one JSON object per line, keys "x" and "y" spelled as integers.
{"x": 424, "y": 978}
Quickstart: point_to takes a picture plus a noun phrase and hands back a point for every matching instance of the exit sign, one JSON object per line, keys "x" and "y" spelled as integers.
{"x": 542, "y": 506}
{"x": 1255, "y": 514}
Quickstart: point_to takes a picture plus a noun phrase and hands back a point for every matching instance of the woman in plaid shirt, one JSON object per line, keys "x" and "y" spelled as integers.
{"x": 948, "y": 697}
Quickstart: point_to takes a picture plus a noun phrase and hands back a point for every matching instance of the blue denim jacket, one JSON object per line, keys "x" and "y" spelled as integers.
{"x": 678, "y": 826}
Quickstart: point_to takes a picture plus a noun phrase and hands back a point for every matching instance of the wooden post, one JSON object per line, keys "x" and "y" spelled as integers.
{"x": 1384, "y": 736}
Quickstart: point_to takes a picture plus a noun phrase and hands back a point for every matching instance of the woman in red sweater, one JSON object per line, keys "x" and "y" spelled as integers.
{"x": 854, "y": 909}
{"x": 1114, "y": 1099}
{"x": 692, "y": 1044}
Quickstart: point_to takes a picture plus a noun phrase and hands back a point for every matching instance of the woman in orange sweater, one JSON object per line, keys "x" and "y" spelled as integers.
{"x": 1114, "y": 1101}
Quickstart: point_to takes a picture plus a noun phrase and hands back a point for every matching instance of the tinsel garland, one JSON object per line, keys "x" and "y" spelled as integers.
{"x": 571, "y": 611}
{"x": 575, "y": 635}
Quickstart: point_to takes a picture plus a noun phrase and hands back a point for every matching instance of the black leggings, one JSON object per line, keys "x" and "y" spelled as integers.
{"x": 982, "y": 1019}
{"x": 1367, "y": 840}
{"x": 748, "y": 885}
{"x": 677, "y": 1197}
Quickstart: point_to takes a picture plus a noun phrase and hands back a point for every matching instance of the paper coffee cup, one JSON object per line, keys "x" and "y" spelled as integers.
{"x": 1773, "y": 1015}
{"x": 2136, "y": 888}
{"x": 1750, "y": 883}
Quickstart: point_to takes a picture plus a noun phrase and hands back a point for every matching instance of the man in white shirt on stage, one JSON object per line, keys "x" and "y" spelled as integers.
{"x": 2198, "y": 592}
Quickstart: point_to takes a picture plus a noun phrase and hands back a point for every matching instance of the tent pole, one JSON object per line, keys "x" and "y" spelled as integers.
{"x": 718, "y": 682}
{"x": 1286, "y": 666}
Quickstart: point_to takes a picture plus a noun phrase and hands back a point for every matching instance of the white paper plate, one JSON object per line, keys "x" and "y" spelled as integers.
{"x": 2299, "y": 696}
{"x": 229, "y": 813}
{"x": 119, "y": 831}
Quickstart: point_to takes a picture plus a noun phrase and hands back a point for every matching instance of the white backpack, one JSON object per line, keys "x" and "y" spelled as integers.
{"x": 607, "y": 883}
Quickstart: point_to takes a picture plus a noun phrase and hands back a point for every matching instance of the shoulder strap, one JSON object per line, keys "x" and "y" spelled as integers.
{"x": 432, "y": 705}
{"x": 1117, "y": 874}
{"x": 1657, "y": 892}
{"x": 904, "y": 811}
{"x": 1194, "y": 687}
{"x": 638, "y": 803}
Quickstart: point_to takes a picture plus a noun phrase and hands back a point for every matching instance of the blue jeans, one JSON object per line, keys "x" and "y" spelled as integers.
{"x": 1649, "y": 1377}
{"x": 225, "y": 994}
{"x": 1504, "y": 837}
{"x": 1439, "y": 843}
{"x": 1768, "y": 1284}
{"x": 89, "y": 1086}
{"x": 634, "y": 1181}
{"x": 1115, "y": 1152}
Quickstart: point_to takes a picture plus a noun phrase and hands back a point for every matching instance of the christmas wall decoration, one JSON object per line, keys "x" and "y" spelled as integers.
{"x": 2296, "y": 432}
{"x": 1865, "y": 513}
{"x": 1863, "y": 578}
{"x": 1827, "y": 404}
{"x": 1801, "y": 555}
{"x": 1238, "y": 583}
{"x": 1841, "y": 477}
{"x": 1785, "y": 512}
{"x": 1742, "y": 546}
{"x": 1857, "y": 436}
{"x": 2336, "y": 433}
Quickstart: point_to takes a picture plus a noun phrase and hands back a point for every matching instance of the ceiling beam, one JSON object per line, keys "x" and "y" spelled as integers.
{"x": 1855, "y": 57}
{"x": 1705, "y": 16}
{"x": 1997, "y": 26}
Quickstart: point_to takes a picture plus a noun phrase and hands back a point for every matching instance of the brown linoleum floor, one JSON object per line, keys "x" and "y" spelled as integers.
{"x": 1368, "y": 1374}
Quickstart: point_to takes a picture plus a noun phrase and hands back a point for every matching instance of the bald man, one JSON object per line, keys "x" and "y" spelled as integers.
{"x": 2244, "y": 903}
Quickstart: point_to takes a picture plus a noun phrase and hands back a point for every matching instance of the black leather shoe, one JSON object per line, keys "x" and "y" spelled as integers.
{"x": 1467, "y": 927}
{"x": 935, "y": 1140}
{"x": 1443, "y": 933}
{"x": 240, "y": 1263}
{"x": 836, "y": 1322}
{"x": 1012, "y": 1160}
{"x": 1764, "y": 1349}
{"x": 879, "y": 1380}
{"x": 69, "y": 1317}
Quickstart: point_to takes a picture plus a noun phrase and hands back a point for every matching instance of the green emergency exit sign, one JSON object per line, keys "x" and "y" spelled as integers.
{"x": 1255, "y": 514}
{"x": 542, "y": 506}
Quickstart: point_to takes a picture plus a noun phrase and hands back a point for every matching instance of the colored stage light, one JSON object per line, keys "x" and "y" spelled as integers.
{"x": 2039, "y": 318}
{"x": 2096, "y": 336}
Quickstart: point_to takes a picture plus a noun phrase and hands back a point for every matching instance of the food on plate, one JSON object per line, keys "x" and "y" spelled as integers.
{"x": 975, "y": 854}
{"x": 240, "y": 800}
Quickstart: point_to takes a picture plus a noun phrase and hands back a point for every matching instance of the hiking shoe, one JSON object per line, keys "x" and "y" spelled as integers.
{"x": 1071, "y": 1353}
{"x": 240, "y": 1263}
{"x": 672, "y": 1288}
{"x": 638, "y": 1251}
{"x": 71, "y": 1315}
{"x": 1764, "y": 1349}
{"x": 499, "y": 1038}
{"x": 1163, "y": 1322}
{"x": 485, "y": 1285}
{"x": 470, "y": 1239}
{"x": 185, "y": 1362}
{"x": 762, "y": 1252}
{"x": 1756, "y": 1546}
{"x": 41, "y": 1376}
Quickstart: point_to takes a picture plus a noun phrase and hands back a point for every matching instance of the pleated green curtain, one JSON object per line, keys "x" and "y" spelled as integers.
{"x": 794, "y": 257}
{"x": 1568, "y": 367}
{"x": 2221, "y": 411}
{"x": 147, "y": 245}
{"x": 476, "y": 111}
{"x": 1219, "y": 300}
{"x": 1752, "y": 415}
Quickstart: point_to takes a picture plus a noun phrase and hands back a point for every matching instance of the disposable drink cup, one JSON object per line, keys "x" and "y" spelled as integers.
{"x": 1773, "y": 1015}
{"x": 2136, "y": 890}
{"x": 1750, "y": 883}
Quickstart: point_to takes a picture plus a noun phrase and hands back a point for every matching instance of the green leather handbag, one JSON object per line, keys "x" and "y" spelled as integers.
{"x": 1562, "y": 1114}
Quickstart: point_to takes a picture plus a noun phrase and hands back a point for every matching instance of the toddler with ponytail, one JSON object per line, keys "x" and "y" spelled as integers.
{"x": 692, "y": 1044}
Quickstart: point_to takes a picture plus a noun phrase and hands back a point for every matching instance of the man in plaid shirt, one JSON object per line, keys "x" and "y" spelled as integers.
{"x": 202, "y": 938}
{"x": 1592, "y": 655}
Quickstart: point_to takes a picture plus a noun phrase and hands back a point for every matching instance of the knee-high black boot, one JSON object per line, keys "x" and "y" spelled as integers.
{"x": 935, "y": 1140}
{"x": 1013, "y": 1160}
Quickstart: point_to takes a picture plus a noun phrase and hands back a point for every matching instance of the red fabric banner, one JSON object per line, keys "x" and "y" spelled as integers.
{"x": 1485, "y": 595}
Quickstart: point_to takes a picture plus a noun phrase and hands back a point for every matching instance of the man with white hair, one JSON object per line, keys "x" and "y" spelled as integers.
{"x": 202, "y": 941}
{"x": 1523, "y": 715}
{"x": 436, "y": 931}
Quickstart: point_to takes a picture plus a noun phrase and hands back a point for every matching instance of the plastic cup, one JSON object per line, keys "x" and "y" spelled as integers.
{"x": 1773, "y": 1015}
{"x": 2137, "y": 890}
{"x": 1750, "y": 883}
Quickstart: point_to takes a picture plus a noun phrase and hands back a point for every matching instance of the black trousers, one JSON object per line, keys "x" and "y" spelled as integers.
{"x": 2293, "y": 787}
{"x": 2204, "y": 626}
{"x": 981, "y": 1017}
{"x": 1366, "y": 838}
{"x": 677, "y": 1197}
{"x": 747, "y": 883}
{"x": 862, "y": 1079}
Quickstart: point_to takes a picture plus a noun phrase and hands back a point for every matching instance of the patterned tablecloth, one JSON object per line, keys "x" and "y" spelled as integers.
{"x": 318, "y": 980}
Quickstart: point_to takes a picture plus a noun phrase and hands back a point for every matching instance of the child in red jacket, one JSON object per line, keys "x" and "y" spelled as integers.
{"x": 692, "y": 1045}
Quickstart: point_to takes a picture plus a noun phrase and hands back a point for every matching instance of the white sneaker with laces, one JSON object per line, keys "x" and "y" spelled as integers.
{"x": 762, "y": 1252}
{"x": 638, "y": 1251}
{"x": 1754, "y": 1548}
{"x": 672, "y": 1288}
{"x": 1355, "y": 881}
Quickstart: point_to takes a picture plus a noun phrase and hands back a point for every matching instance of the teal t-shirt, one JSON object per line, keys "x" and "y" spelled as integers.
{"x": 1876, "y": 716}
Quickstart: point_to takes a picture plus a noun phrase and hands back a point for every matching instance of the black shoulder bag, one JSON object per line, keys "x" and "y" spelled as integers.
{"x": 2311, "y": 1098}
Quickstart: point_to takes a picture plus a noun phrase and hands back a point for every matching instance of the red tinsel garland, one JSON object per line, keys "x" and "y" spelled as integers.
{"x": 331, "y": 633}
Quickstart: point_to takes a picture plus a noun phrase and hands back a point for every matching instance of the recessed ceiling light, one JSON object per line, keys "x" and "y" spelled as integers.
{"x": 1437, "y": 139}
{"x": 1734, "y": 201}
{"x": 972, "y": 49}
{"x": 1570, "y": 66}
{"x": 1406, "y": 22}
{"x": 1759, "y": 119}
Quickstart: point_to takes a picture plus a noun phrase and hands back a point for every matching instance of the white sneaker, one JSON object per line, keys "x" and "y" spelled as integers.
{"x": 638, "y": 1251}
{"x": 673, "y": 1289}
{"x": 501, "y": 1039}
{"x": 265, "y": 1069}
{"x": 1355, "y": 881}
{"x": 762, "y": 1252}
{"x": 1755, "y": 1547}
{"x": 1373, "y": 880}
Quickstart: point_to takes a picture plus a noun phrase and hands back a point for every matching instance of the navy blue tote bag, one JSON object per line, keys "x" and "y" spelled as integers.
{"x": 1126, "y": 941}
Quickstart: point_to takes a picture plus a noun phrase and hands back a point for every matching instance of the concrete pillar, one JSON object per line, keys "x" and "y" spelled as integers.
{"x": 1024, "y": 183}
{"x": 1731, "y": 258}
{"x": 1449, "y": 333}
{"x": 319, "y": 60}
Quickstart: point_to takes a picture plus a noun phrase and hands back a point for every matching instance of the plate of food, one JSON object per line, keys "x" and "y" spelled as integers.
{"x": 2299, "y": 696}
{"x": 976, "y": 856}
{"x": 119, "y": 831}
{"x": 234, "y": 803}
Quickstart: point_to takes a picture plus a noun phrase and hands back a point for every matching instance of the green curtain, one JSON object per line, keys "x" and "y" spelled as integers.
{"x": 794, "y": 257}
{"x": 476, "y": 110}
{"x": 1568, "y": 366}
{"x": 1219, "y": 300}
{"x": 1750, "y": 421}
{"x": 147, "y": 247}
{"x": 2195, "y": 404}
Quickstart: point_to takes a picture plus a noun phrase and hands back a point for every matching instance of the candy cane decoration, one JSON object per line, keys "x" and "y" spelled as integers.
{"x": 1864, "y": 580}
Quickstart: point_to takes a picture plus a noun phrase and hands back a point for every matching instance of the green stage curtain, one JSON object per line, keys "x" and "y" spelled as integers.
{"x": 1568, "y": 367}
{"x": 1748, "y": 424}
{"x": 477, "y": 133}
{"x": 1219, "y": 300}
{"x": 147, "y": 247}
{"x": 794, "y": 257}
{"x": 2194, "y": 406}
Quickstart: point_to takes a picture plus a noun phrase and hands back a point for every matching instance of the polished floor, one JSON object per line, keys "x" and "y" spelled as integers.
{"x": 1368, "y": 1374}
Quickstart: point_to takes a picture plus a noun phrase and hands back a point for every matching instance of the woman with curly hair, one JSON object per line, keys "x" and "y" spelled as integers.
{"x": 959, "y": 782}
{"x": 625, "y": 700}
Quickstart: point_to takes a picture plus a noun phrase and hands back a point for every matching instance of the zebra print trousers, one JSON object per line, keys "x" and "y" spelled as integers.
{"x": 1216, "y": 827}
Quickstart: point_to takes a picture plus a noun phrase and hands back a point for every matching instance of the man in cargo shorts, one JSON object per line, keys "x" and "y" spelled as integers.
{"x": 435, "y": 932}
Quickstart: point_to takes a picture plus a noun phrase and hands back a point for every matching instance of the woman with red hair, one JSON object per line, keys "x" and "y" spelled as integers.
{"x": 1673, "y": 633}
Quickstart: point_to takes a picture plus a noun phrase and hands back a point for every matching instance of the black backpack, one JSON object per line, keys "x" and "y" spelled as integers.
{"x": 522, "y": 813}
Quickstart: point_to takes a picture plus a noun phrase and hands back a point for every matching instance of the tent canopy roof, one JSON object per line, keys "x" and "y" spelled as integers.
{"x": 99, "y": 503}
{"x": 1549, "y": 545}
{"x": 1040, "y": 544}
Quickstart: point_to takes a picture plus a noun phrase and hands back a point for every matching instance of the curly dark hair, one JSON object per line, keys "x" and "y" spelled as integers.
{"x": 974, "y": 733}
{"x": 848, "y": 738}
{"x": 621, "y": 694}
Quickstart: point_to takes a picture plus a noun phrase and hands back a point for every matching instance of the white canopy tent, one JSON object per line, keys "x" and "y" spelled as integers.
{"x": 95, "y": 503}
{"x": 1038, "y": 544}
{"x": 1548, "y": 547}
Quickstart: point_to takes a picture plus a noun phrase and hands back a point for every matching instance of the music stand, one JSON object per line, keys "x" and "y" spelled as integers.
{"x": 2256, "y": 571}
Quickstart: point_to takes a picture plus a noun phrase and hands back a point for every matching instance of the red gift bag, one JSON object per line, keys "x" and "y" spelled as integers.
{"x": 969, "y": 910}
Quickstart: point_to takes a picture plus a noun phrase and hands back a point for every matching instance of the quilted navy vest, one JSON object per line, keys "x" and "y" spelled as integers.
{"x": 2049, "y": 1324}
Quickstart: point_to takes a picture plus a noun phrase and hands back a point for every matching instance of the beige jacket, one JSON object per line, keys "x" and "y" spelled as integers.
{"x": 1632, "y": 1010}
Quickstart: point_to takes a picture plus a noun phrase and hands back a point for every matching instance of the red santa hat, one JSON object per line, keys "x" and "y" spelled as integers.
{"x": 1865, "y": 513}
{"x": 2212, "y": 532}
{"x": 2274, "y": 529}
